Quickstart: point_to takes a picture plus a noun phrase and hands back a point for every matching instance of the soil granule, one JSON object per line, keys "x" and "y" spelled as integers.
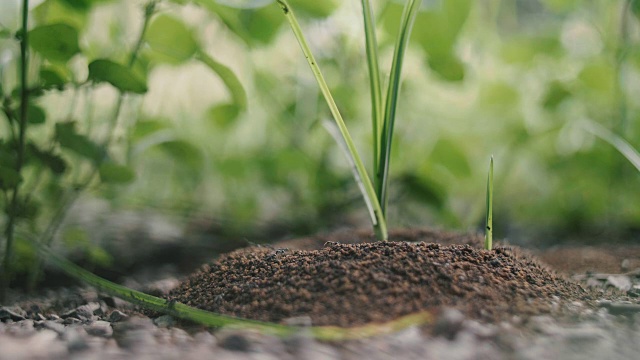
{"x": 355, "y": 284}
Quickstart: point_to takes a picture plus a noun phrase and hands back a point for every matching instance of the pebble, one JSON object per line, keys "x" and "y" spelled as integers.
{"x": 117, "y": 316}
{"x": 622, "y": 282}
{"x": 53, "y": 325}
{"x": 235, "y": 342}
{"x": 164, "y": 321}
{"x": 76, "y": 338}
{"x": 449, "y": 323}
{"x": 135, "y": 332}
{"x": 99, "y": 328}
{"x": 16, "y": 314}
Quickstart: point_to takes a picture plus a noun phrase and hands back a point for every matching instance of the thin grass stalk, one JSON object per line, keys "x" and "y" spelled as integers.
{"x": 374, "y": 80}
{"x": 22, "y": 131}
{"x": 377, "y": 217}
{"x": 408, "y": 19}
{"x": 628, "y": 151}
{"x": 488, "y": 231}
{"x": 154, "y": 303}
{"x": 212, "y": 319}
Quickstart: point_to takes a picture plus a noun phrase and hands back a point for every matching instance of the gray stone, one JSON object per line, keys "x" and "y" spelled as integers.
{"x": 135, "y": 332}
{"x": 76, "y": 338}
{"x": 448, "y": 323}
{"x": 117, "y": 316}
{"x": 180, "y": 337}
{"x": 72, "y": 321}
{"x": 24, "y": 328}
{"x": 43, "y": 344}
{"x": 53, "y": 325}
{"x": 15, "y": 314}
{"x": 621, "y": 308}
{"x": 164, "y": 321}
{"x": 205, "y": 337}
{"x": 99, "y": 328}
{"x": 235, "y": 342}
{"x": 621, "y": 282}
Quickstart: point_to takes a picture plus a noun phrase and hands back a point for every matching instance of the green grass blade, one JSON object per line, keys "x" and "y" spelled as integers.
{"x": 488, "y": 234}
{"x": 374, "y": 79}
{"x": 382, "y": 175}
{"x": 333, "y": 130}
{"x": 176, "y": 309}
{"x": 616, "y": 141}
{"x": 377, "y": 217}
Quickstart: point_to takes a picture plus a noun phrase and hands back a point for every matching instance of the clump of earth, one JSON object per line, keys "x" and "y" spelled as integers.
{"x": 352, "y": 284}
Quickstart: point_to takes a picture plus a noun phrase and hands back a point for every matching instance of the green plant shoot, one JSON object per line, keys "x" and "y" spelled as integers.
{"x": 488, "y": 230}
{"x": 377, "y": 216}
{"x": 383, "y": 118}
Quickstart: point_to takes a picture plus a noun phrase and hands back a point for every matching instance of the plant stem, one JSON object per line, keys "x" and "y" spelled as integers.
{"x": 406, "y": 24}
{"x": 377, "y": 216}
{"x": 488, "y": 235}
{"x": 15, "y": 199}
{"x": 374, "y": 82}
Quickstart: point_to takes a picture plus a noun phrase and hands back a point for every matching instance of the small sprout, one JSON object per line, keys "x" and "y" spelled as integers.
{"x": 488, "y": 231}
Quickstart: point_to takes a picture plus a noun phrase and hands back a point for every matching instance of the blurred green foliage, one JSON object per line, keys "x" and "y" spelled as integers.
{"x": 216, "y": 115}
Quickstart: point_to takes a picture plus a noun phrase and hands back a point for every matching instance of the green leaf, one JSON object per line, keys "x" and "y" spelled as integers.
{"x": 115, "y": 173}
{"x": 253, "y": 25}
{"x": 525, "y": 49}
{"x": 628, "y": 151}
{"x": 7, "y": 156}
{"x": 67, "y": 137}
{"x": 423, "y": 190}
{"x": 184, "y": 153}
{"x": 56, "y": 11}
{"x": 75, "y": 237}
{"x": 228, "y": 77}
{"x": 51, "y": 78}
{"x": 83, "y": 5}
{"x": 223, "y": 115}
{"x": 635, "y": 8}
{"x": 599, "y": 76}
{"x": 315, "y": 8}
{"x": 35, "y": 114}
{"x": 436, "y": 29}
{"x": 245, "y": 4}
{"x": 99, "y": 256}
{"x": 448, "y": 67}
{"x": 54, "y": 162}
{"x": 147, "y": 127}
{"x": 56, "y": 42}
{"x": 448, "y": 154}
{"x": 9, "y": 178}
{"x": 499, "y": 94}
{"x": 407, "y": 22}
{"x": 555, "y": 95}
{"x": 170, "y": 38}
{"x": 119, "y": 76}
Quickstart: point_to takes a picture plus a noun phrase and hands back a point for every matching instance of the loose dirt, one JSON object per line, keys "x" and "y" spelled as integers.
{"x": 359, "y": 283}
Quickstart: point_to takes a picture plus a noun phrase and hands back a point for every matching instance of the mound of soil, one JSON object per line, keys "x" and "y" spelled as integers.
{"x": 354, "y": 284}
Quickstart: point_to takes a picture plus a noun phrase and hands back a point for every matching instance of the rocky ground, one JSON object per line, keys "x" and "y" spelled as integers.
{"x": 589, "y": 310}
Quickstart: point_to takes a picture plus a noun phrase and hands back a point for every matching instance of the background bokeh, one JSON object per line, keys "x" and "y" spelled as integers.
{"x": 237, "y": 146}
